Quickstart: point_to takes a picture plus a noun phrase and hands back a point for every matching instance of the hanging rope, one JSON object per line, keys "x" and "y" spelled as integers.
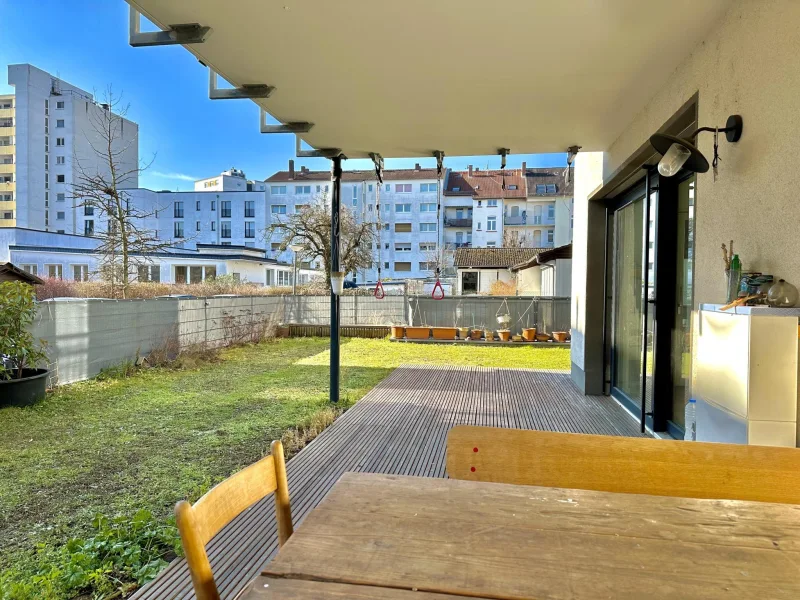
{"x": 438, "y": 290}
{"x": 379, "y": 292}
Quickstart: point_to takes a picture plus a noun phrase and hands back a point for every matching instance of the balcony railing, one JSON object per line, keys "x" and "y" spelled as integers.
{"x": 515, "y": 220}
{"x": 454, "y": 245}
{"x": 457, "y": 222}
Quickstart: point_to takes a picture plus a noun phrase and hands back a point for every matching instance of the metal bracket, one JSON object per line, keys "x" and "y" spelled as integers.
{"x": 321, "y": 153}
{"x": 377, "y": 160}
{"x": 439, "y": 156}
{"x": 184, "y": 33}
{"x": 295, "y": 127}
{"x": 258, "y": 90}
{"x": 572, "y": 152}
{"x": 503, "y": 152}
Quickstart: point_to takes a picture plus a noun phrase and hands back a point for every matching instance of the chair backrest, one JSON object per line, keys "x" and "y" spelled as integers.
{"x": 624, "y": 464}
{"x": 200, "y": 522}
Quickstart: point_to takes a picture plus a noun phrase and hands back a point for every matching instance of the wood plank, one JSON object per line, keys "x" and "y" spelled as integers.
{"x": 269, "y": 588}
{"x": 503, "y": 541}
{"x": 400, "y": 427}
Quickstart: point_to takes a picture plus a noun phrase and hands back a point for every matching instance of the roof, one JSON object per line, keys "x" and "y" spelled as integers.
{"x": 545, "y": 256}
{"x": 486, "y": 184}
{"x": 551, "y": 176}
{"x": 10, "y": 272}
{"x": 493, "y": 258}
{"x": 303, "y": 174}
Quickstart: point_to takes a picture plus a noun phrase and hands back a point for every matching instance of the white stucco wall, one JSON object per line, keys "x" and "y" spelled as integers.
{"x": 529, "y": 282}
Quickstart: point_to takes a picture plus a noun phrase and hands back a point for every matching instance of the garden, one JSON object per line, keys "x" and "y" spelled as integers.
{"x": 89, "y": 476}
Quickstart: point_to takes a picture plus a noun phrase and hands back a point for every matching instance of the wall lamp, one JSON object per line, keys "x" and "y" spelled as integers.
{"x": 678, "y": 153}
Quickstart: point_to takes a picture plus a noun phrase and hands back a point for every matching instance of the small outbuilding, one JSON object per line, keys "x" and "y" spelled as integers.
{"x": 10, "y": 272}
{"x": 550, "y": 269}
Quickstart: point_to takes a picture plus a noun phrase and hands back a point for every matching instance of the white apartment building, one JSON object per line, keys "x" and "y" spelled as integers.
{"x": 409, "y": 227}
{"x": 46, "y": 130}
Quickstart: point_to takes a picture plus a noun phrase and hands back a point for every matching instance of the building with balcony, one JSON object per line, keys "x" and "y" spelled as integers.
{"x": 46, "y": 130}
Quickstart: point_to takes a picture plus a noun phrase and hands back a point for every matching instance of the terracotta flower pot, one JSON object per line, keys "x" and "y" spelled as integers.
{"x": 463, "y": 332}
{"x": 505, "y": 335}
{"x": 488, "y": 335}
{"x": 418, "y": 333}
{"x": 475, "y": 334}
{"x": 542, "y": 337}
{"x": 398, "y": 332}
{"x": 529, "y": 334}
{"x": 444, "y": 333}
{"x": 560, "y": 336}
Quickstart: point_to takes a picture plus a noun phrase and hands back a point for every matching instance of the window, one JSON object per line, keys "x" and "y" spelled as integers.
{"x": 275, "y": 246}
{"x": 402, "y": 267}
{"x": 213, "y": 225}
{"x": 278, "y": 209}
{"x": 88, "y": 227}
{"x": 60, "y": 104}
{"x": 197, "y": 226}
{"x": 88, "y": 211}
{"x": 284, "y": 278}
{"x": 178, "y": 210}
{"x": 55, "y": 271}
{"x": 302, "y": 189}
{"x": 479, "y": 226}
{"x": 213, "y": 205}
{"x": 427, "y": 207}
{"x": 550, "y": 236}
{"x": 491, "y": 203}
{"x": 59, "y": 160}
{"x": 178, "y": 229}
{"x": 425, "y": 266}
{"x": 225, "y": 209}
{"x": 355, "y": 192}
{"x": 8, "y": 214}
{"x": 402, "y": 208}
{"x": 277, "y": 189}
{"x": 369, "y": 187}
{"x": 32, "y": 269}
{"x": 479, "y": 203}
{"x": 427, "y": 227}
{"x": 80, "y": 272}
{"x": 225, "y": 229}
{"x": 456, "y": 189}
{"x": 402, "y": 188}
{"x": 59, "y": 122}
{"x": 59, "y": 141}
{"x": 402, "y": 247}
{"x": 301, "y": 207}
{"x": 249, "y": 209}
{"x": 491, "y": 224}
{"x": 180, "y": 274}
{"x": 551, "y": 211}
{"x": 551, "y": 188}
{"x": 388, "y": 188}
{"x": 197, "y": 205}
{"x": 60, "y": 216}
{"x": 428, "y": 187}
{"x": 151, "y": 273}
{"x": 249, "y": 229}
{"x": 430, "y": 247}
{"x": 512, "y": 187}
{"x": 60, "y": 179}
{"x": 401, "y": 227}
{"x": 491, "y": 244}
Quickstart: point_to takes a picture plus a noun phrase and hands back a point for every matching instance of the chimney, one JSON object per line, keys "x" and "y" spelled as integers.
{"x": 416, "y": 167}
{"x": 303, "y": 169}
{"x": 470, "y": 170}
{"x": 524, "y": 168}
{"x": 291, "y": 169}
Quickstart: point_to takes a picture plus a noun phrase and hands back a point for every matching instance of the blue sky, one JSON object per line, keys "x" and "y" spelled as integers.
{"x": 85, "y": 42}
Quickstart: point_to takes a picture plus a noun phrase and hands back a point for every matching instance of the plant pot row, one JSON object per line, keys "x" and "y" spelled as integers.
{"x": 452, "y": 333}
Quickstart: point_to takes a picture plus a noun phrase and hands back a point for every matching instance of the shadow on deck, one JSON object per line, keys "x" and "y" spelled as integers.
{"x": 399, "y": 427}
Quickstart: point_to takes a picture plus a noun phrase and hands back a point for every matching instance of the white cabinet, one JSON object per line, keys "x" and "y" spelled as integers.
{"x": 745, "y": 375}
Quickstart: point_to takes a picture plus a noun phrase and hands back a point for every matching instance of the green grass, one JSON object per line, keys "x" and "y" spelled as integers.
{"x": 146, "y": 441}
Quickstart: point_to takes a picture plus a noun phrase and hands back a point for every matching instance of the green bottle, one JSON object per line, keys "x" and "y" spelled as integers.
{"x": 734, "y": 278}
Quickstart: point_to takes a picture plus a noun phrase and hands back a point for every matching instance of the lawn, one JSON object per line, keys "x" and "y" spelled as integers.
{"x": 145, "y": 441}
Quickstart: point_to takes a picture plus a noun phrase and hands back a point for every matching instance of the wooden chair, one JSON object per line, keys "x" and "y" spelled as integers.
{"x": 200, "y": 522}
{"x": 623, "y": 464}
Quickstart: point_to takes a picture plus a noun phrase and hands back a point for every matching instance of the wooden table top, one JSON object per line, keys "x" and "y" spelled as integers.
{"x": 502, "y": 541}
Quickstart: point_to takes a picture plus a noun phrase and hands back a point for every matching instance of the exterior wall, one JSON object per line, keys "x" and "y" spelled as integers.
{"x": 37, "y": 151}
{"x": 564, "y": 222}
{"x": 481, "y": 236}
{"x": 556, "y": 278}
{"x": 747, "y": 65}
{"x": 486, "y": 277}
{"x": 232, "y": 180}
{"x": 529, "y": 282}
{"x": 8, "y": 160}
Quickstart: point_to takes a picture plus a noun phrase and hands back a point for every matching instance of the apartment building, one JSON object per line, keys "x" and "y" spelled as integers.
{"x": 46, "y": 131}
{"x": 409, "y": 227}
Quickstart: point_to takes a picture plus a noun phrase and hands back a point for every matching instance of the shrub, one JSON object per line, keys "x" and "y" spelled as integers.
{"x": 123, "y": 554}
{"x": 503, "y": 288}
{"x": 18, "y": 349}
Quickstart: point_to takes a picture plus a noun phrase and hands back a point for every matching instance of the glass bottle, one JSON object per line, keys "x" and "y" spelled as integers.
{"x": 734, "y": 278}
{"x": 782, "y": 294}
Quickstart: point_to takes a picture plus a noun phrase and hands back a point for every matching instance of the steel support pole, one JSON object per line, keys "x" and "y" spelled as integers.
{"x": 336, "y": 197}
{"x": 294, "y": 276}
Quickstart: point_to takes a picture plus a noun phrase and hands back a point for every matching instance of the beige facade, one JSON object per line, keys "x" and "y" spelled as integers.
{"x": 8, "y": 160}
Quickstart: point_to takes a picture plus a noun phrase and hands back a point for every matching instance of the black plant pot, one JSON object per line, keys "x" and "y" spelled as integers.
{"x": 26, "y": 391}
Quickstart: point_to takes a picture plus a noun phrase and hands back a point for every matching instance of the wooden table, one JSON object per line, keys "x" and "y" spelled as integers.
{"x": 393, "y": 537}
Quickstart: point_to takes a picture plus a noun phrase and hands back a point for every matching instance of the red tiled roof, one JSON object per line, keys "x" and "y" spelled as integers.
{"x": 552, "y": 176}
{"x": 486, "y": 184}
{"x": 355, "y": 175}
{"x": 493, "y": 258}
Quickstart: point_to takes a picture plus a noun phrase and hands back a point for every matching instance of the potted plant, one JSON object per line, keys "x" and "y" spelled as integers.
{"x": 444, "y": 333}
{"x": 398, "y": 332}
{"x": 463, "y": 332}
{"x": 488, "y": 335}
{"x": 476, "y": 332}
{"x": 560, "y": 336}
{"x": 418, "y": 333}
{"x": 542, "y": 337}
{"x": 529, "y": 334}
{"x": 504, "y": 335}
{"x": 21, "y": 381}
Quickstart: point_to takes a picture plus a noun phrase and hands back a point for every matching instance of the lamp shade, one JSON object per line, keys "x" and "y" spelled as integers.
{"x": 296, "y": 247}
{"x": 337, "y": 282}
{"x": 677, "y": 153}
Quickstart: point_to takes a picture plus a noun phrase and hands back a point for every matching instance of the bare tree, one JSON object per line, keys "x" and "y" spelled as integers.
{"x": 516, "y": 239}
{"x": 127, "y": 234}
{"x": 311, "y": 227}
{"x": 443, "y": 260}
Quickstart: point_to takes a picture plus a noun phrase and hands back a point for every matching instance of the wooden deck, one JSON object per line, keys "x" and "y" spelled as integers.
{"x": 399, "y": 428}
